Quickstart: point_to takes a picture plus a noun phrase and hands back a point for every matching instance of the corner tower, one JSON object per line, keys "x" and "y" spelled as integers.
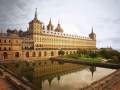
{"x": 50, "y": 26}
{"x": 35, "y": 26}
{"x": 92, "y": 35}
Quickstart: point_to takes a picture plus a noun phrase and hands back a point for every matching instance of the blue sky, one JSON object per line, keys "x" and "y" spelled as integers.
{"x": 75, "y": 16}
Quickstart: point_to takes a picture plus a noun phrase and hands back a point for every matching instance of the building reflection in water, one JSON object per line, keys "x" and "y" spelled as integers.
{"x": 49, "y": 70}
{"x": 47, "y": 75}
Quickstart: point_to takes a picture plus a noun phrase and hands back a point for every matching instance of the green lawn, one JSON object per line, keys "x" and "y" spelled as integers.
{"x": 84, "y": 57}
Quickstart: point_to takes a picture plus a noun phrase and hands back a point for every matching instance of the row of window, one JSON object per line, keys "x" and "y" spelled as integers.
{"x": 39, "y": 54}
{"x": 55, "y": 40}
{"x": 45, "y": 53}
{"x": 5, "y": 55}
{"x": 5, "y": 48}
{"x": 7, "y": 41}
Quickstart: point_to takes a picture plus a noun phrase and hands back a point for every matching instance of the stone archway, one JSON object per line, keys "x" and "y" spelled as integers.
{"x": 5, "y": 55}
{"x": 52, "y": 53}
{"x": 2, "y": 74}
{"x": 33, "y": 54}
{"x": 17, "y": 54}
{"x": 45, "y": 53}
{"x": 27, "y": 54}
{"x": 66, "y": 52}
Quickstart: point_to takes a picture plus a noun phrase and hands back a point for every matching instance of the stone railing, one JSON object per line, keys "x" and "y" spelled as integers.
{"x": 18, "y": 82}
{"x": 105, "y": 83}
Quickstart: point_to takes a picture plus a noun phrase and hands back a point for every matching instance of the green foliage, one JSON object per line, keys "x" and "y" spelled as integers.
{"x": 61, "y": 52}
{"x": 93, "y": 55}
{"x": 111, "y": 55}
{"x": 108, "y": 54}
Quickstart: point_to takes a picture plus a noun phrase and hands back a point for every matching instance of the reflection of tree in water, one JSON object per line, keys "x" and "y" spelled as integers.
{"x": 92, "y": 69}
{"x": 50, "y": 81}
{"x": 58, "y": 78}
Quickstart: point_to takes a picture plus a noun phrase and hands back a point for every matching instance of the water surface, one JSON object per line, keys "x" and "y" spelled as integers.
{"x": 47, "y": 75}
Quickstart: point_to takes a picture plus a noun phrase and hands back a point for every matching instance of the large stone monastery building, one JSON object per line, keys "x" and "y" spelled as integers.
{"x": 40, "y": 41}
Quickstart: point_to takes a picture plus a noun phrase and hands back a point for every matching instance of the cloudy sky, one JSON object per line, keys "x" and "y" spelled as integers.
{"x": 75, "y": 16}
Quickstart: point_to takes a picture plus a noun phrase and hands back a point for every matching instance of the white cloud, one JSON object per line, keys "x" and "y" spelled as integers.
{"x": 76, "y": 16}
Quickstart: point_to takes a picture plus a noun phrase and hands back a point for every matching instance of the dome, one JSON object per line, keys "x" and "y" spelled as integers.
{"x": 58, "y": 28}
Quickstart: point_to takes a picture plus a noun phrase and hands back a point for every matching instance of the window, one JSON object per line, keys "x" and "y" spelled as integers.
{"x": 66, "y": 52}
{"x": 39, "y": 54}
{"x": 74, "y": 52}
{"x": 9, "y": 48}
{"x": 9, "y": 41}
{"x": 33, "y": 54}
{"x": 16, "y": 41}
{"x": 5, "y": 48}
{"x": 17, "y": 54}
{"x": 27, "y": 54}
{"x": 52, "y": 54}
{"x": 45, "y": 53}
{"x": 5, "y": 55}
{"x": 4, "y": 41}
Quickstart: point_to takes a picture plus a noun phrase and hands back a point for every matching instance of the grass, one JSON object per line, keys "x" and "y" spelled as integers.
{"x": 83, "y": 57}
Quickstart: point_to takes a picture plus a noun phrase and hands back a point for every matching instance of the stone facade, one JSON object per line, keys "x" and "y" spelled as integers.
{"x": 40, "y": 41}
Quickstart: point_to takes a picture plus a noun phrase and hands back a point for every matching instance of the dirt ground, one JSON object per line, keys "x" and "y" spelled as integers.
{"x": 4, "y": 85}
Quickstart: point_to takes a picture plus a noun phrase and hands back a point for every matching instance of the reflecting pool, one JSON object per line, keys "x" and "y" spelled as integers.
{"x": 48, "y": 75}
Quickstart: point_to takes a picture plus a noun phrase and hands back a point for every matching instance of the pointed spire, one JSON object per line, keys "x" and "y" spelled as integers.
{"x": 92, "y": 30}
{"x": 35, "y": 14}
{"x": 50, "y": 22}
{"x": 58, "y": 23}
{"x": 58, "y": 28}
{"x": 50, "y": 26}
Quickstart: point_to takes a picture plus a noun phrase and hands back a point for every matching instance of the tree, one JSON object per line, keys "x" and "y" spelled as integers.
{"x": 108, "y": 54}
{"x": 61, "y": 52}
{"x": 93, "y": 55}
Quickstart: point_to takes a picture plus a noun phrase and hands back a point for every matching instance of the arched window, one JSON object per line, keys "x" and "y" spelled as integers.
{"x": 17, "y": 54}
{"x": 39, "y": 54}
{"x": 5, "y": 48}
{"x": 4, "y": 41}
{"x": 74, "y": 52}
{"x": 45, "y": 53}
{"x": 33, "y": 54}
{"x": 52, "y": 53}
{"x": 9, "y": 48}
{"x": 66, "y": 52}
{"x": 5, "y": 55}
{"x": 9, "y": 41}
{"x": 27, "y": 54}
{"x": 17, "y": 41}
